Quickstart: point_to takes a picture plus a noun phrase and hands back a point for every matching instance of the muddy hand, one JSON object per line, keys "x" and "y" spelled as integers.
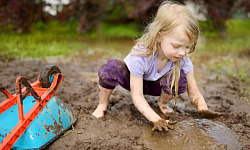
{"x": 163, "y": 125}
{"x": 209, "y": 114}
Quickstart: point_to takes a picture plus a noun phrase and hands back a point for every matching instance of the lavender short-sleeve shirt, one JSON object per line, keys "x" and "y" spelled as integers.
{"x": 141, "y": 66}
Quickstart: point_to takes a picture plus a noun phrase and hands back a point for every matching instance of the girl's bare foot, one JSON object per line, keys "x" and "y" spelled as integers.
{"x": 99, "y": 111}
{"x": 104, "y": 95}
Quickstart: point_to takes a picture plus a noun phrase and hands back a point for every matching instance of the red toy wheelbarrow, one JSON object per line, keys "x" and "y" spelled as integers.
{"x": 33, "y": 117}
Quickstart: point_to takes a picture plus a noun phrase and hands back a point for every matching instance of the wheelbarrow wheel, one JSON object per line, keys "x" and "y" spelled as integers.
{"x": 46, "y": 75}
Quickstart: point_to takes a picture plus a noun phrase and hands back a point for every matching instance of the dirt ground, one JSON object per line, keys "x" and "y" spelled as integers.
{"x": 123, "y": 126}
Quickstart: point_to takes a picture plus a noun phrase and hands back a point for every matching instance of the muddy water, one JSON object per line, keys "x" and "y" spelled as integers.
{"x": 194, "y": 134}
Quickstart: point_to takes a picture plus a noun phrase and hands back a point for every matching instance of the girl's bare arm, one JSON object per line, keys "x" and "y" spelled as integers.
{"x": 194, "y": 93}
{"x": 136, "y": 86}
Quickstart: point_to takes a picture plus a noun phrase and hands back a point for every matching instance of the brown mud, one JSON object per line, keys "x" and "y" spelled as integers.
{"x": 123, "y": 126}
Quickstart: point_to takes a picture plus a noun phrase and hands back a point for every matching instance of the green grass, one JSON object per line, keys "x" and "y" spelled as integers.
{"x": 117, "y": 31}
{"x": 234, "y": 40}
{"x": 23, "y": 46}
{"x": 40, "y": 43}
{"x": 224, "y": 49}
{"x": 56, "y": 38}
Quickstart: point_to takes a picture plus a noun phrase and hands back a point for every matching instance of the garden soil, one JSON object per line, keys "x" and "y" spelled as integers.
{"x": 123, "y": 126}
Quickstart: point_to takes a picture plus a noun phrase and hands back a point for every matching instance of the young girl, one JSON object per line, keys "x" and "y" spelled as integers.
{"x": 157, "y": 65}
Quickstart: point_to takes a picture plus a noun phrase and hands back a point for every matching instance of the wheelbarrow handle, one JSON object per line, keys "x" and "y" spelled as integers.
{"x": 29, "y": 89}
{"x": 5, "y": 92}
{"x": 2, "y": 88}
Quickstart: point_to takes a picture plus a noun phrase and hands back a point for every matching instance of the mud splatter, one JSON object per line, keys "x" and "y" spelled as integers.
{"x": 57, "y": 128}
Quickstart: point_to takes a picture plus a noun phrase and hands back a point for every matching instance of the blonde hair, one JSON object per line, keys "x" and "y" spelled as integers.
{"x": 169, "y": 16}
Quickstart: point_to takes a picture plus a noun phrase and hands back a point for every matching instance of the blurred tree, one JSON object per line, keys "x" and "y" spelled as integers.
{"x": 142, "y": 11}
{"x": 245, "y": 5}
{"x": 216, "y": 11}
{"x": 89, "y": 13}
{"x": 19, "y": 15}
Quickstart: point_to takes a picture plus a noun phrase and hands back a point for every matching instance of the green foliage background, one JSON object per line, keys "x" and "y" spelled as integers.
{"x": 56, "y": 38}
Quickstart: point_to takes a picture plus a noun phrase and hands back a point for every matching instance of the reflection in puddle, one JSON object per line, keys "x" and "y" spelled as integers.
{"x": 193, "y": 134}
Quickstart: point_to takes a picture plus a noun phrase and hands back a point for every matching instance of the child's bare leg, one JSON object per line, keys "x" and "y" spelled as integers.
{"x": 104, "y": 95}
{"x": 163, "y": 101}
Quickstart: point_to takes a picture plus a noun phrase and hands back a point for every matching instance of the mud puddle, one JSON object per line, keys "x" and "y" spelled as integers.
{"x": 199, "y": 134}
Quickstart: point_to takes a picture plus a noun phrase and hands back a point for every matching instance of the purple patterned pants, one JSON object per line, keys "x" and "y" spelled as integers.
{"x": 115, "y": 73}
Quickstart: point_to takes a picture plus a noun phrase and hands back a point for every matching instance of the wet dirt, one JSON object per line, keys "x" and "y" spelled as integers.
{"x": 123, "y": 126}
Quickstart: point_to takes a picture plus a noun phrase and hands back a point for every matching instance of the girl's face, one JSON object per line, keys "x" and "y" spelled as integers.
{"x": 175, "y": 45}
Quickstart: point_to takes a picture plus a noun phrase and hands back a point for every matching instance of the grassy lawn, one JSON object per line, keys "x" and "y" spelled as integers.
{"x": 55, "y": 38}
{"x": 235, "y": 39}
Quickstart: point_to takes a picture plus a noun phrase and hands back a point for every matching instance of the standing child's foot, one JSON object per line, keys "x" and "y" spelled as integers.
{"x": 98, "y": 114}
{"x": 99, "y": 111}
